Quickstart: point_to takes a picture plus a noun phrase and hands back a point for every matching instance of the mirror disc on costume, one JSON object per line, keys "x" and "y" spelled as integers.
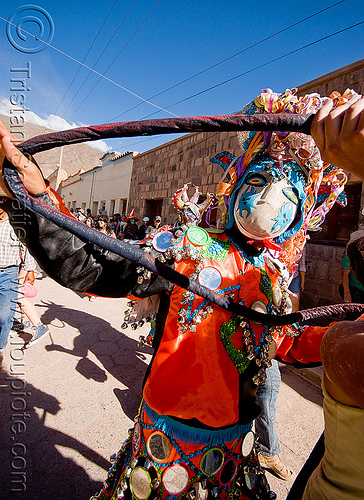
{"x": 159, "y": 446}
{"x": 199, "y": 492}
{"x": 288, "y": 305}
{"x": 197, "y": 236}
{"x": 272, "y": 268}
{"x": 259, "y": 306}
{"x": 228, "y": 471}
{"x": 250, "y": 481}
{"x": 212, "y": 461}
{"x": 210, "y": 278}
{"x": 248, "y": 444}
{"x": 277, "y": 295}
{"x": 140, "y": 484}
{"x": 162, "y": 241}
{"x": 136, "y": 438}
{"x": 175, "y": 479}
{"x": 272, "y": 349}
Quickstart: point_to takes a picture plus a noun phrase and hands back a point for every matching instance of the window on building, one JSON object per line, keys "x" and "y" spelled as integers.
{"x": 122, "y": 205}
{"x": 83, "y": 206}
{"x": 341, "y": 221}
{"x": 102, "y": 205}
{"x": 112, "y": 207}
{"x": 95, "y": 205}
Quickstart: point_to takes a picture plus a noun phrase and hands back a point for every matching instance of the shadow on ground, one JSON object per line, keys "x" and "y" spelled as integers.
{"x": 31, "y": 465}
{"x": 118, "y": 354}
{"x": 302, "y": 387}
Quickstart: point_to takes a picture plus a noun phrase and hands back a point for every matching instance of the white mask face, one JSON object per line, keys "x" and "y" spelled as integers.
{"x": 265, "y": 207}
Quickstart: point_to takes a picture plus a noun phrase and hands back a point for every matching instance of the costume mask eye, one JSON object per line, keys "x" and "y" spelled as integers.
{"x": 256, "y": 180}
{"x": 291, "y": 195}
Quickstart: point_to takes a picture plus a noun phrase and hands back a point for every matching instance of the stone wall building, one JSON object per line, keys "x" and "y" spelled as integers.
{"x": 158, "y": 173}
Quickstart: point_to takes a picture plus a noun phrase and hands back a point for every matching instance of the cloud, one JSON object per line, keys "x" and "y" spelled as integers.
{"x": 52, "y": 122}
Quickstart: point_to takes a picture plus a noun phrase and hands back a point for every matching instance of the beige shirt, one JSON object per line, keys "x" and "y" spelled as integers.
{"x": 340, "y": 474}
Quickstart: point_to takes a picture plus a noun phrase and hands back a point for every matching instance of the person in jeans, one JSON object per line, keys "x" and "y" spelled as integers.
{"x": 9, "y": 268}
{"x": 265, "y": 424}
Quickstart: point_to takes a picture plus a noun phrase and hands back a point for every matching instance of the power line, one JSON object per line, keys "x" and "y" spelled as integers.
{"x": 260, "y": 66}
{"x": 112, "y": 62}
{"x": 92, "y": 44}
{"x": 231, "y": 57}
{"x": 107, "y": 45}
{"x": 88, "y": 67}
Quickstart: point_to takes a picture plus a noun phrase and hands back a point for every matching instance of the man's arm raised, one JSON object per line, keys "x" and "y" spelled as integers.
{"x": 28, "y": 171}
{"x": 339, "y": 133}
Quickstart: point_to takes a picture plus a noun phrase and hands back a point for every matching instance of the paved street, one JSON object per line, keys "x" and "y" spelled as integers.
{"x": 68, "y": 401}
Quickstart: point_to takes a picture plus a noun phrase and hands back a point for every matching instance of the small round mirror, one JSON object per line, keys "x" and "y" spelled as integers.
{"x": 136, "y": 438}
{"x": 212, "y": 461}
{"x": 197, "y": 236}
{"x": 259, "y": 306}
{"x": 228, "y": 471}
{"x": 288, "y": 305}
{"x": 162, "y": 241}
{"x": 175, "y": 479}
{"x": 140, "y": 483}
{"x": 277, "y": 295}
{"x": 159, "y": 446}
{"x": 210, "y": 278}
{"x": 250, "y": 481}
{"x": 248, "y": 443}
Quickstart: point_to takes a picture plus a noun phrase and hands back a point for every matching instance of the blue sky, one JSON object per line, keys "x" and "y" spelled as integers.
{"x": 163, "y": 43}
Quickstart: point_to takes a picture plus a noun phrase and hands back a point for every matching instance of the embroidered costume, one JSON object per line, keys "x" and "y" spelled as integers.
{"x": 192, "y": 438}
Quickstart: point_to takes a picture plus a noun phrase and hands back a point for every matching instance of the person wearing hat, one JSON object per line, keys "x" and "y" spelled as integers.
{"x": 154, "y": 228}
{"x": 131, "y": 228}
{"x": 193, "y": 437}
{"x": 143, "y": 228}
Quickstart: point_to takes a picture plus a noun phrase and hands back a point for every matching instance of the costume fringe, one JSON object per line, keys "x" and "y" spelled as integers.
{"x": 194, "y": 435}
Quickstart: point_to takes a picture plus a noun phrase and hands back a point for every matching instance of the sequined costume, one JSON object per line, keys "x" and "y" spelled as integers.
{"x": 192, "y": 438}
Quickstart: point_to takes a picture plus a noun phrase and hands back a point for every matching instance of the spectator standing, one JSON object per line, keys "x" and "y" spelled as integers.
{"x": 153, "y": 229}
{"x": 9, "y": 266}
{"x": 104, "y": 227}
{"x": 115, "y": 222}
{"x": 131, "y": 228}
{"x": 121, "y": 227}
{"x": 143, "y": 228}
{"x": 351, "y": 290}
{"x": 27, "y": 307}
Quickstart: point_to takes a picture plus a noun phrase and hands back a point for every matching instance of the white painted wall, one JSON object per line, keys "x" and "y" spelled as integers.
{"x": 109, "y": 183}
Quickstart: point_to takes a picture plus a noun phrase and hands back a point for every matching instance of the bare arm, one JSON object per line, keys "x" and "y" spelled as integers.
{"x": 339, "y": 134}
{"x": 342, "y": 352}
{"x": 345, "y": 282}
{"x": 29, "y": 173}
{"x": 302, "y": 280}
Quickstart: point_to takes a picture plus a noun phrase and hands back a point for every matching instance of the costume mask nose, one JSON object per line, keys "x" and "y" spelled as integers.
{"x": 265, "y": 206}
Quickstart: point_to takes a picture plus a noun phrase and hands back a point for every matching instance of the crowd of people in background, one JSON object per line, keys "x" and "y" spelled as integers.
{"x": 119, "y": 225}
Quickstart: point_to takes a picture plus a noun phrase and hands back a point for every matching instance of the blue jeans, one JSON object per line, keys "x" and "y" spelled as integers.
{"x": 8, "y": 298}
{"x": 265, "y": 424}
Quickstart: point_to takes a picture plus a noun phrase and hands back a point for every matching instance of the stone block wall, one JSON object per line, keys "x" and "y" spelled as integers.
{"x": 351, "y": 76}
{"x": 323, "y": 275}
{"x": 158, "y": 173}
